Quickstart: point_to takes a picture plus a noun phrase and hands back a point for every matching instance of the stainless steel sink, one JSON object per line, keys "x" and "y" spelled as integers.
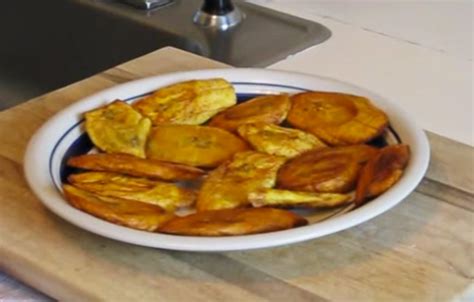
{"x": 50, "y": 43}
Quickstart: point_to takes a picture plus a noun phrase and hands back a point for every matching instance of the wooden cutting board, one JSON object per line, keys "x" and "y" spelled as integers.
{"x": 422, "y": 250}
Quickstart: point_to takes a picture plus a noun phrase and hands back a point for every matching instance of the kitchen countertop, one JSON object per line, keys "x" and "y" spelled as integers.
{"x": 428, "y": 71}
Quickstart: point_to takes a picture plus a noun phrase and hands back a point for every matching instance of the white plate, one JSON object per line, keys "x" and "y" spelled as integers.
{"x": 60, "y": 137}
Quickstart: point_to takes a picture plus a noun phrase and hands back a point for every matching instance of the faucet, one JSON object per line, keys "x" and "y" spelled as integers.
{"x": 219, "y": 14}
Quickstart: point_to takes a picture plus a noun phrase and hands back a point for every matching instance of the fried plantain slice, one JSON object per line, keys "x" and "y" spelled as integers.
{"x": 333, "y": 170}
{"x": 285, "y": 198}
{"x": 270, "y": 109}
{"x": 118, "y": 128}
{"x": 276, "y": 140}
{"x": 382, "y": 172}
{"x": 200, "y": 146}
{"x": 166, "y": 195}
{"x": 228, "y": 186}
{"x": 134, "y": 214}
{"x": 231, "y": 222}
{"x": 190, "y": 102}
{"x": 338, "y": 119}
{"x": 135, "y": 166}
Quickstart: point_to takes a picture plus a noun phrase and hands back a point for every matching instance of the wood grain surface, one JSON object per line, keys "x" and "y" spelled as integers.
{"x": 421, "y": 250}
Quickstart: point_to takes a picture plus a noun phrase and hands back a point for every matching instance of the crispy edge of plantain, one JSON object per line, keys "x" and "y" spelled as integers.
{"x": 287, "y": 198}
{"x": 233, "y": 222}
{"x": 230, "y": 119}
{"x": 381, "y": 172}
{"x": 135, "y": 166}
{"x": 167, "y": 195}
{"x": 133, "y": 214}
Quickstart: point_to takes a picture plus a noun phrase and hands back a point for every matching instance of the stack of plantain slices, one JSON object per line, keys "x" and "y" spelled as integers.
{"x": 238, "y": 168}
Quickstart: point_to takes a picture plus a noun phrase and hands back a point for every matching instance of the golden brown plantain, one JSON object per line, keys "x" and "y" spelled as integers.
{"x": 382, "y": 172}
{"x": 285, "y": 198}
{"x": 135, "y": 166}
{"x": 134, "y": 214}
{"x": 166, "y": 195}
{"x": 231, "y": 222}
{"x": 337, "y": 118}
{"x": 193, "y": 145}
{"x": 332, "y": 170}
{"x": 228, "y": 185}
{"x": 270, "y": 109}
{"x": 190, "y": 102}
{"x": 276, "y": 140}
{"x": 118, "y": 128}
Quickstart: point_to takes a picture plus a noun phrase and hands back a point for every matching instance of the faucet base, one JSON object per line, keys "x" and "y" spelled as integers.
{"x": 220, "y": 22}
